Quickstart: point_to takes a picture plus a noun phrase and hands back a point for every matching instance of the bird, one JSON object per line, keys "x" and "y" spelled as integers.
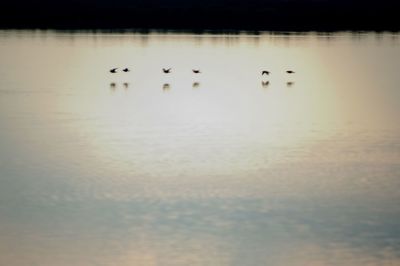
{"x": 290, "y": 71}
{"x": 196, "y": 71}
{"x": 166, "y": 70}
{"x": 265, "y": 72}
{"x": 114, "y": 70}
{"x": 126, "y": 69}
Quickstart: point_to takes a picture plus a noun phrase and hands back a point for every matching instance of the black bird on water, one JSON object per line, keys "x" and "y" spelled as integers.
{"x": 196, "y": 71}
{"x": 114, "y": 70}
{"x": 166, "y": 70}
{"x": 290, "y": 72}
{"x": 265, "y": 72}
{"x": 126, "y": 69}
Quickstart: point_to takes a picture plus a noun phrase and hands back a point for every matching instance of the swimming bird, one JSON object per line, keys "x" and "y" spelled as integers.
{"x": 126, "y": 69}
{"x": 196, "y": 71}
{"x": 166, "y": 70}
{"x": 114, "y": 70}
{"x": 265, "y": 72}
{"x": 290, "y": 72}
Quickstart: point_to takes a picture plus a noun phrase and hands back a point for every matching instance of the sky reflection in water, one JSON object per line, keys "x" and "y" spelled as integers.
{"x": 226, "y": 167}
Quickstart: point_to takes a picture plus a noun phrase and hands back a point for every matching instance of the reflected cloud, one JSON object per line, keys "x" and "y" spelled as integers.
{"x": 228, "y": 175}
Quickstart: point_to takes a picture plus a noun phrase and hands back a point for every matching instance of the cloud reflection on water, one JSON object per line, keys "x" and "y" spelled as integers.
{"x": 225, "y": 174}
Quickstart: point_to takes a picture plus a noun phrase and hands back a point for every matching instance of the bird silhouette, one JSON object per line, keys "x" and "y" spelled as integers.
{"x": 196, "y": 71}
{"x": 126, "y": 69}
{"x": 265, "y": 72}
{"x": 167, "y": 70}
{"x": 290, "y": 72}
{"x": 114, "y": 70}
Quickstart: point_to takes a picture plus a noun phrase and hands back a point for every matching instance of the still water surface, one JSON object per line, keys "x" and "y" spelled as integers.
{"x": 225, "y": 167}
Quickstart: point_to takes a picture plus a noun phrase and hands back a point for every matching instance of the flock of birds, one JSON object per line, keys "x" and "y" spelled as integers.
{"x": 196, "y": 71}
{"x": 264, "y": 83}
{"x": 267, "y": 72}
{"x": 165, "y": 70}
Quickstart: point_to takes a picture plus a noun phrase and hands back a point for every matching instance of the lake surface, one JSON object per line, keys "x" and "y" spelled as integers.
{"x": 225, "y": 167}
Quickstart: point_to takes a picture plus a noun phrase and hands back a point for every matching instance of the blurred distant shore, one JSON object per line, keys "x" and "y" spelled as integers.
{"x": 257, "y": 15}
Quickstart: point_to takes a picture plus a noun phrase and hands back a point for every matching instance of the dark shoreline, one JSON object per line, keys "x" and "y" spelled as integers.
{"x": 305, "y": 15}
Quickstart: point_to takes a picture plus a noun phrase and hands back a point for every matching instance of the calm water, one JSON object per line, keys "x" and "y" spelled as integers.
{"x": 218, "y": 168}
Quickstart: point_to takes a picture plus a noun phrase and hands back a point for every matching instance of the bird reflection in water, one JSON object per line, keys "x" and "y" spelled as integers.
{"x": 126, "y": 85}
{"x": 265, "y": 84}
{"x": 196, "y": 85}
{"x": 166, "y": 87}
{"x": 113, "y": 86}
{"x": 289, "y": 84}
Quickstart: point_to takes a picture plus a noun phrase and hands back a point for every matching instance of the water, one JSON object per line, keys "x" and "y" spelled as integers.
{"x": 225, "y": 167}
